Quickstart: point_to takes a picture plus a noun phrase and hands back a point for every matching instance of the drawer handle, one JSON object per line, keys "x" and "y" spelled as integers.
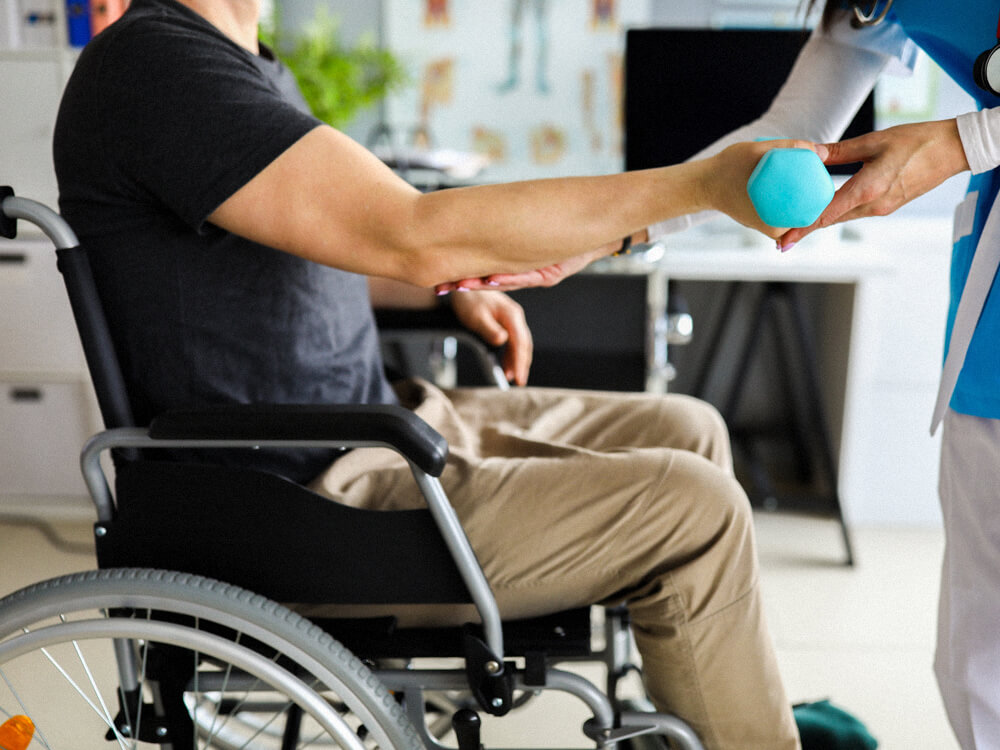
{"x": 13, "y": 259}
{"x": 23, "y": 395}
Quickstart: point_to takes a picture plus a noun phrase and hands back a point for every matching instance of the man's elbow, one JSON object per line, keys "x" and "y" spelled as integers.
{"x": 422, "y": 264}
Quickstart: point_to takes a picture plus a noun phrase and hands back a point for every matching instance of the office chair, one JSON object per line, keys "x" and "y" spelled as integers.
{"x": 155, "y": 648}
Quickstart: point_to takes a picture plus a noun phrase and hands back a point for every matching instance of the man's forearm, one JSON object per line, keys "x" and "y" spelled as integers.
{"x": 392, "y": 293}
{"x": 500, "y": 228}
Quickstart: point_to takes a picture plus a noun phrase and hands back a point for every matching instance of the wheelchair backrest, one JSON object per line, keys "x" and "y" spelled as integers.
{"x": 102, "y": 360}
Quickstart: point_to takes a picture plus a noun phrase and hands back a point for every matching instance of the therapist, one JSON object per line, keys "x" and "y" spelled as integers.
{"x": 834, "y": 73}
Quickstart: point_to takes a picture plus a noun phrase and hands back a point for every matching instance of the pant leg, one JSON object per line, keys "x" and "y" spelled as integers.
{"x": 573, "y": 498}
{"x": 967, "y": 661}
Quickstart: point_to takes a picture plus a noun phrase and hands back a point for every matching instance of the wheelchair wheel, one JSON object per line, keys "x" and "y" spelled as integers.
{"x": 131, "y": 658}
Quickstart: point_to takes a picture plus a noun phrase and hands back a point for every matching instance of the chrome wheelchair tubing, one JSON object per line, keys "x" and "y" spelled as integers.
{"x": 486, "y": 362}
{"x": 54, "y": 226}
{"x": 678, "y": 731}
{"x": 465, "y": 559}
{"x": 441, "y": 510}
{"x": 416, "y": 681}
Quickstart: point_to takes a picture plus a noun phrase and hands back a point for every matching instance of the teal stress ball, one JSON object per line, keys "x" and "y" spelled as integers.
{"x": 790, "y": 187}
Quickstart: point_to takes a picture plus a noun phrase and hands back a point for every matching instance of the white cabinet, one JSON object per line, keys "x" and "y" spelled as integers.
{"x": 44, "y": 426}
{"x": 47, "y": 408}
{"x": 35, "y": 63}
{"x": 37, "y": 334}
{"x": 31, "y": 85}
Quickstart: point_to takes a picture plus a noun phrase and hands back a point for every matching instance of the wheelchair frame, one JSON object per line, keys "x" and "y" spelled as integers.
{"x": 489, "y": 675}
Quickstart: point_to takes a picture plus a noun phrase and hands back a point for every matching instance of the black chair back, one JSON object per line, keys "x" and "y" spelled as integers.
{"x": 102, "y": 360}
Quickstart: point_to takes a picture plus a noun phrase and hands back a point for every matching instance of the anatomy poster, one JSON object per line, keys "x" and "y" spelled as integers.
{"x": 535, "y": 85}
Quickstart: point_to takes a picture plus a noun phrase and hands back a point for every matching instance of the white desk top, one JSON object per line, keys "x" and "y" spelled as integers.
{"x": 830, "y": 256}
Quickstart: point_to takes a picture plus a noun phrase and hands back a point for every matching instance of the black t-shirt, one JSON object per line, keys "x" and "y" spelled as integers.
{"x": 162, "y": 120}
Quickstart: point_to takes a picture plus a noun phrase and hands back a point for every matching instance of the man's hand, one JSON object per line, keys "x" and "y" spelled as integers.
{"x": 899, "y": 164}
{"x": 498, "y": 320}
{"x": 726, "y": 175}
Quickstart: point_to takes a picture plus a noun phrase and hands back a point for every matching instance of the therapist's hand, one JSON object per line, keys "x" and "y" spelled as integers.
{"x": 899, "y": 164}
{"x": 540, "y": 277}
{"x": 498, "y": 320}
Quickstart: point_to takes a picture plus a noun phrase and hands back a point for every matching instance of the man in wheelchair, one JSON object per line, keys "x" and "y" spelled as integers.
{"x": 238, "y": 246}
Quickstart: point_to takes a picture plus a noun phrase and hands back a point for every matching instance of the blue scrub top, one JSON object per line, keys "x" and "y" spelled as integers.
{"x": 954, "y": 34}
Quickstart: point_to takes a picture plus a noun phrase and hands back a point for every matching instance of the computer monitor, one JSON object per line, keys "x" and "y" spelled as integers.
{"x": 685, "y": 88}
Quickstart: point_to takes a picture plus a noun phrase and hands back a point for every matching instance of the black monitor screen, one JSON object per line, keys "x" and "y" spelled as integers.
{"x": 685, "y": 88}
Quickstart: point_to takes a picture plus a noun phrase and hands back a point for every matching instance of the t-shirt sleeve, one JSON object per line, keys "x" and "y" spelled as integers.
{"x": 190, "y": 123}
{"x": 980, "y": 134}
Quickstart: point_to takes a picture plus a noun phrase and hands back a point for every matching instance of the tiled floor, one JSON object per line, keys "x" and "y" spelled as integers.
{"x": 862, "y": 637}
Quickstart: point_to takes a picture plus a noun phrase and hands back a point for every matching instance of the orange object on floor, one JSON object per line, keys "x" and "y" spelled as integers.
{"x": 16, "y": 733}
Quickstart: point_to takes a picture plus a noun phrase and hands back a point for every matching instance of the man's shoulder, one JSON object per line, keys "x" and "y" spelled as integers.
{"x": 155, "y": 36}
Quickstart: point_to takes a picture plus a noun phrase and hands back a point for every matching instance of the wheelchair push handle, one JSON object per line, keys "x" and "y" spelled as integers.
{"x": 790, "y": 187}
{"x": 52, "y": 224}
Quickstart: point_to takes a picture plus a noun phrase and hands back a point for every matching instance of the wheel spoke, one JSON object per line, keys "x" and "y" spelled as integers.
{"x": 218, "y": 726}
{"x": 93, "y": 684}
{"x": 194, "y": 709}
{"x": 103, "y": 716}
{"x": 142, "y": 683}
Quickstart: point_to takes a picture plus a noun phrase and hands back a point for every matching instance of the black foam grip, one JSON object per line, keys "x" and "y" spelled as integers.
{"x": 8, "y": 224}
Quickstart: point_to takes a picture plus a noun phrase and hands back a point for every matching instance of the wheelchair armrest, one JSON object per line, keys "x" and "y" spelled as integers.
{"x": 392, "y": 425}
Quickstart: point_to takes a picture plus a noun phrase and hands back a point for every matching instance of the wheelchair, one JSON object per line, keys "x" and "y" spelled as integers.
{"x": 177, "y": 640}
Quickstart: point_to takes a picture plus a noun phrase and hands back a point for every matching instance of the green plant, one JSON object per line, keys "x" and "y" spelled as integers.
{"x": 337, "y": 80}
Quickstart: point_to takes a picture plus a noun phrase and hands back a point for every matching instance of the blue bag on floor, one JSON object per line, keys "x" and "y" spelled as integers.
{"x": 823, "y": 726}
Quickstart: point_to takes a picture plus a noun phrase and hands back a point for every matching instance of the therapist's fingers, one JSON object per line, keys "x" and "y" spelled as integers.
{"x": 850, "y": 202}
{"x": 847, "y": 203}
{"x": 794, "y": 236}
{"x": 820, "y": 149}
{"x": 547, "y": 276}
{"x": 861, "y": 148}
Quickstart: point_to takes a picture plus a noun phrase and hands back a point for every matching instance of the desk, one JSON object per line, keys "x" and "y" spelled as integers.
{"x": 881, "y": 336}
{"x": 719, "y": 256}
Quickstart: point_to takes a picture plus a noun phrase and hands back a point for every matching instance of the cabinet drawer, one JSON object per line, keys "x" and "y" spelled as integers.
{"x": 42, "y": 428}
{"x": 37, "y": 332}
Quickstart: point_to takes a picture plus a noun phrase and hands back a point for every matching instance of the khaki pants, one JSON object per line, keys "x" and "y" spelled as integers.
{"x": 572, "y": 498}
